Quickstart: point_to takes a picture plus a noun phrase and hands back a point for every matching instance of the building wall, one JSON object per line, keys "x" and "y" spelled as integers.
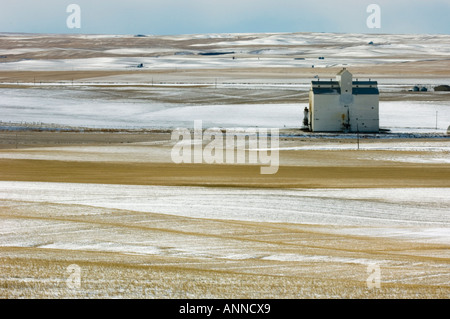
{"x": 345, "y": 81}
{"x": 326, "y": 117}
{"x": 329, "y": 113}
{"x": 364, "y": 114}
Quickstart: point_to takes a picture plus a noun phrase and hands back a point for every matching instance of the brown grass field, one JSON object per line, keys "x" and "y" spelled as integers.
{"x": 169, "y": 174}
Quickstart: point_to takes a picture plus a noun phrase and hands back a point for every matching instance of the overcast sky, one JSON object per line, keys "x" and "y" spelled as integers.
{"x": 164, "y": 17}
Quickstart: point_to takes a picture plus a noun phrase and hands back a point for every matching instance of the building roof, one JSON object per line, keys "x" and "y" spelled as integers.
{"x": 326, "y": 90}
{"x": 337, "y": 90}
{"x": 365, "y": 83}
{"x": 318, "y": 82}
{"x": 365, "y": 91}
{"x": 325, "y": 83}
{"x": 333, "y": 87}
{"x": 342, "y": 71}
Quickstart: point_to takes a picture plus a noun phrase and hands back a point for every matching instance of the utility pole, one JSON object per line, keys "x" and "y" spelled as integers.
{"x": 357, "y": 134}
{"x": 436, "y": 120}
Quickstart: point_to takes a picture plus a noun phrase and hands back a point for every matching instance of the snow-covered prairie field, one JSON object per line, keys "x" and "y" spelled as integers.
{"x": 152, "y": 241}
{"x": 166, "y": 242}
{"x": 87, "y": 203}
{"x": 414, "y": 213}
{"x": 64, "y": 107}
{"x": 249, "y": 50}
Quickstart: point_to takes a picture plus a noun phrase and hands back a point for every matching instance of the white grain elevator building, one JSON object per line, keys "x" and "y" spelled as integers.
{"x": 344, "y": 105}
